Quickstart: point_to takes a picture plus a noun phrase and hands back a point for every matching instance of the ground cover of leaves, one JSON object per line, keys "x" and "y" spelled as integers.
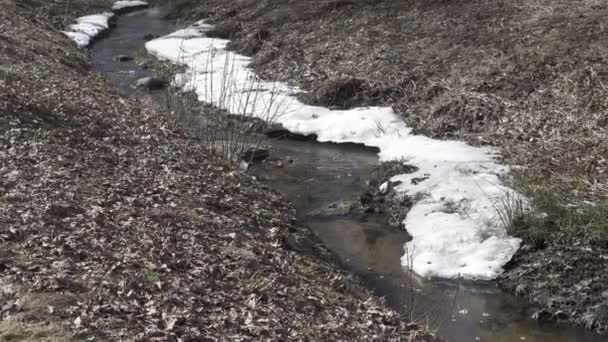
{"x": 114, "y": 227}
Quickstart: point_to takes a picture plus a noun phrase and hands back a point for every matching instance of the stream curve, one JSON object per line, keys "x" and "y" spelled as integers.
{"x": 316, "y": 175}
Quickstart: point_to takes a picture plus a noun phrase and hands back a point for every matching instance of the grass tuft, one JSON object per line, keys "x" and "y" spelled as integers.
{"x": 545, "y": 212}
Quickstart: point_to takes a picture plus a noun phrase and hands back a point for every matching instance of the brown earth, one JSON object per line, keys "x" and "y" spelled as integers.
{"x": 115, "y": 227}
{"x": 526, "y": 76}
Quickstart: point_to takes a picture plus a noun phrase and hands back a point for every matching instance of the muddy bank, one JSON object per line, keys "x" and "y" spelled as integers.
{"x": 354, "y": 53}
{"x": 568, "y": 281}
{"x": 115, "y": 227}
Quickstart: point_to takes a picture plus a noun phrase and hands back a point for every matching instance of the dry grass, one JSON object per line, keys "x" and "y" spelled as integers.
{"x": 230, "y": 127}
{"x": 520, "y": 218}
{"x": 539, "y": 213}
{"x": 60, "y": 13}
{"x": 554, "y": 213}
{"x": 15, "y": 331}
{"x": 101, "y": 199}
{"x": 527, "y": 76}
{"x": 25, "y": 315}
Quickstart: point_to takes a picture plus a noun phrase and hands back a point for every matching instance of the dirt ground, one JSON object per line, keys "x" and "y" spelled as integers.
{"x": 114, "y": 227}
{"x": 528, "y": 77}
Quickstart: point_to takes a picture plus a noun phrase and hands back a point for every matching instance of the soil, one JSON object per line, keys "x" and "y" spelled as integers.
{"x": 527, "y": 77}
{"x": 114, "y": 226}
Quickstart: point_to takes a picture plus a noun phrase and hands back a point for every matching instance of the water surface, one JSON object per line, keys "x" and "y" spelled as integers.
{"x": 317, "y": 176}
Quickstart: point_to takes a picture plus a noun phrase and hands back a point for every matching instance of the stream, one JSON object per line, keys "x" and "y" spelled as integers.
{"x": 317, "y": 176}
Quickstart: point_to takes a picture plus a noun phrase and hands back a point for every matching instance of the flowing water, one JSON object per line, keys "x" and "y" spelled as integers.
{"x": 319, "y": 179}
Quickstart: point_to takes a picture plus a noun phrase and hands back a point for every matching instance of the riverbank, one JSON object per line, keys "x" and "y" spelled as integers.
{"x": 116, "y": 227}
{"x": 463, "y": 71}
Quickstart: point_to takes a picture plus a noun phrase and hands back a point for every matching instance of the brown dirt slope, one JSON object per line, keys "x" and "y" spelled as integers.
{"x": 114, "y": 227}
{"x": 527, "y": 76}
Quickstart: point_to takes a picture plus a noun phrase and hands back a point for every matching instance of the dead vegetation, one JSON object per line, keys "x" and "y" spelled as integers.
{"x": 526, "y": 76}
{"x": 114, "y": 226}
{"x": 549, "y": 214}
{"x": 233, "y": 137}
{"x": 59, "y": 13}
{"x": 345, "y": 93}
{"x": 566, "y": 280}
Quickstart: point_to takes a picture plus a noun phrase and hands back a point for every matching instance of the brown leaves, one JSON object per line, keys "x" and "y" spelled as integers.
{"x": 152, "y": 238}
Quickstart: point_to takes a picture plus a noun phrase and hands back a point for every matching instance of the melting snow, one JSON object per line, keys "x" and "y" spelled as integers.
{"x": 122, "y": 4}
{"x": 455, "y": 228}
{"x": 87, "y": 27}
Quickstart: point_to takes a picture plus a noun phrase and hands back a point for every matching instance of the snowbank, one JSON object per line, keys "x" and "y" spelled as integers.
{"x": 88, "y": 27}
{"x": 123, "y": 4}
{"x": 456, "y": 230}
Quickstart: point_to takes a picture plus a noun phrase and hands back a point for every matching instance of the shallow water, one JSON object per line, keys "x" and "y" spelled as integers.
{"x": 322, "y": 174}
{"x": 127, "y": 38}
{"x": 317, "y": 176}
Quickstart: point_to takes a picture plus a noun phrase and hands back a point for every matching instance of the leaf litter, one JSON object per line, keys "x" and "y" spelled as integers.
{"x": 114, "y": 227}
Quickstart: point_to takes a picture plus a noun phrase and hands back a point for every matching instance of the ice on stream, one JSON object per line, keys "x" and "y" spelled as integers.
{"x": 456, "y": 189}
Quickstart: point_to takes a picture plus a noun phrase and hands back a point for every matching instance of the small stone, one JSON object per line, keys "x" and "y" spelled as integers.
{"x": 543, "y": 316}
{"x": 123, "y": 58}
{"x": 387, "y": 187}
{"x": 520, "y": 290}
{"x": 149, "y": 37}
{"x": 150, "y": 83}
{"x": 255, "y": 155}
{"x": 277, "y": 131}
{"x": 561, "y": 315}
{"x": 243, "y": 165}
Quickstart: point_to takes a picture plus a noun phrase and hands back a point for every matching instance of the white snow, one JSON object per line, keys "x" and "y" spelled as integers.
{"x": 454, "y": 223}
{"x": 87, "y": 27}
{"x": 122, "y": 4}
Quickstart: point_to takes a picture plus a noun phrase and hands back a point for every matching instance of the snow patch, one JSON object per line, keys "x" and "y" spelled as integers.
{"x": 122, "y": 4}
{"x": 88, "y": 27}
{"x": 454, "y": 224}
